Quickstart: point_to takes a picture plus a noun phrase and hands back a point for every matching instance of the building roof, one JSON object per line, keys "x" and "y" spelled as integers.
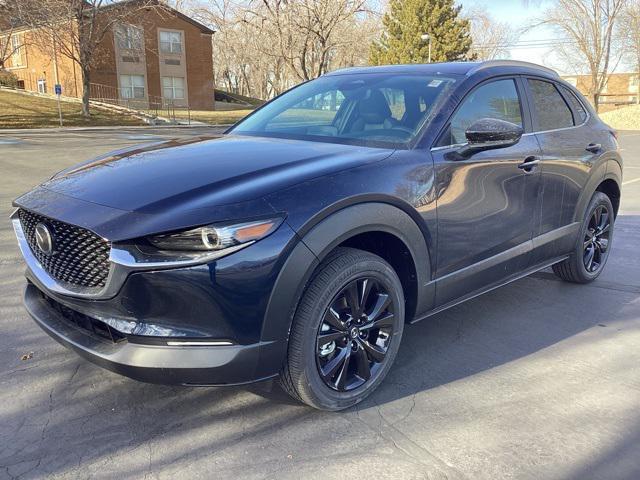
{"x": 8, "y": 24}
{"x": 163, "y": 6}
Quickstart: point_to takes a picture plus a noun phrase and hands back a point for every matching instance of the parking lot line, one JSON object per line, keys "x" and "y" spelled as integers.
{"x": 631, "y": 181}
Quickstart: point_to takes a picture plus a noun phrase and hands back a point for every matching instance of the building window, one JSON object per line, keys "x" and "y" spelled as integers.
{"x": 170, "y": 42}
{"x": 173, "y": 88}
{"x": 16, "y": 51}
{"x": 129, "y": 37}
{"x": 42, "y": 85}
{"x": 634, "y": 82}
{"x": 132, "y": 86}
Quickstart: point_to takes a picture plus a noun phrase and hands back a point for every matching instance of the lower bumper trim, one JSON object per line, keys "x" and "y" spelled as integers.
{"x": 170, "y": 364}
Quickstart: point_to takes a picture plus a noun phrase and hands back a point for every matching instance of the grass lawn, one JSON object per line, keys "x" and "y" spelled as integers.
{"x": 217, "y": 117}
{"x": 27, "y": 111}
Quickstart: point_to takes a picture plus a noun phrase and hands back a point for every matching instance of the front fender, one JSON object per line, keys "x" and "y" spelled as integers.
{"x": 314, "y": 246}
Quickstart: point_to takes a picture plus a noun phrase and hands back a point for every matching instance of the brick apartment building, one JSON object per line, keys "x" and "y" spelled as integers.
{"x": 621, "y": 89}
{"x": 156, "y": 54}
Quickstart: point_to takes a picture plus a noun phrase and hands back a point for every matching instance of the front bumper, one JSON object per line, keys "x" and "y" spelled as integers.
{"x": 154, "y": 363}
{"x": 195, "y": 324}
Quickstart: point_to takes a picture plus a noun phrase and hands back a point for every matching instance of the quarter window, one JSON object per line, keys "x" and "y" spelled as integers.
{"x": 497, "y": 99}
{"x": 578, "y": 108}
{"x": 132, "y": 86}
{"x": 171, "y": 42}
{"x": 173, "y": 88}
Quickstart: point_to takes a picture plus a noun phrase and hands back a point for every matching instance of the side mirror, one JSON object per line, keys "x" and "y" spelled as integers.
{"x": 488, "y": 134}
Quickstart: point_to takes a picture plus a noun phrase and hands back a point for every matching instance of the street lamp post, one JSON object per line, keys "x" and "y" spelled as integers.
{"x": 427, "y": 38}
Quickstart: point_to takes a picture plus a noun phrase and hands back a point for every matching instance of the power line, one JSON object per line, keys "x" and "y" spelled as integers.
{"x": 526, "y": 44}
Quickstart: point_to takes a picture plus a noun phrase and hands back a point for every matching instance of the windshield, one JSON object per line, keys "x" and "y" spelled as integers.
{"x": 379, "y": 110}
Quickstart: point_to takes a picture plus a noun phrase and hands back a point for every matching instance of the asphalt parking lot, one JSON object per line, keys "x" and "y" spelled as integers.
{"x": 538, "y": 379}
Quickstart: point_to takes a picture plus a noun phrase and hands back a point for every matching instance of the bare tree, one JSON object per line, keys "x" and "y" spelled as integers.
{"x": 589, "y": 28}
{"x": 263, "y": 47}
{"x": 491, "y": 38}
{"x": 630, "y": 36}
{"x": 306, "y": 32}
{"x": 77, "y": 28}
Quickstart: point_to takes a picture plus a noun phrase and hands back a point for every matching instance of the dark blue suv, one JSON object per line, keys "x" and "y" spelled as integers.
{"x": 299, "y": 244}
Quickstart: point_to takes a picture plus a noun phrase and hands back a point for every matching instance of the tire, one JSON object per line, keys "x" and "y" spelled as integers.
{"x": 576, "y": 268}
{"x": 325, "y": 312}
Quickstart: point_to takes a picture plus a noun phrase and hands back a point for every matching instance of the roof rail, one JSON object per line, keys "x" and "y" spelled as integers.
{"x": 510, "y": 63}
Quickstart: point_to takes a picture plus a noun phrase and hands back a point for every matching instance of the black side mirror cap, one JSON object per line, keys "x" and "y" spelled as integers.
{"x": 489, "y": 134}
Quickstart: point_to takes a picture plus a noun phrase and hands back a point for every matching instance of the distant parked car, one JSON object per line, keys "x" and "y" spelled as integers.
{"x": 299, "y": 244}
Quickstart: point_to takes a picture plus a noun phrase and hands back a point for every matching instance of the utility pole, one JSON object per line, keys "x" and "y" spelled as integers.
{"x": 427, "y": 38}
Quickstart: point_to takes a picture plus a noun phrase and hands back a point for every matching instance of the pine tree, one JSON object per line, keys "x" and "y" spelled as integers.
{"x": 407, "y": 20}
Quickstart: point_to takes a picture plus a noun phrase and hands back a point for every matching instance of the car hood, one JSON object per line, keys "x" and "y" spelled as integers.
{"x": 203, "y": 172}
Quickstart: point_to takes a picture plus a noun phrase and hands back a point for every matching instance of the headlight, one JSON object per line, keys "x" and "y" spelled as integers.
{"x": 215, "y": 237}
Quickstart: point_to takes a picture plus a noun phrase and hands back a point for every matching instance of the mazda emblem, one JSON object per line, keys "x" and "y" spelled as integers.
{"x": 44, "y": 240}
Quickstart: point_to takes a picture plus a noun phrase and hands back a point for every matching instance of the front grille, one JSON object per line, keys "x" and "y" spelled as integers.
{"x": 85, "y": 322}
{"x": 79, "y": 256}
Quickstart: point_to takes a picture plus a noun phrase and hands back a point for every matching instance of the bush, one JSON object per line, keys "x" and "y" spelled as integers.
{"x": 8, "y": 79}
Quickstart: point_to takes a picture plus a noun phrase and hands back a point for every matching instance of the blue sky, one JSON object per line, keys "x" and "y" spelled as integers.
{"x": 519, "y": 14}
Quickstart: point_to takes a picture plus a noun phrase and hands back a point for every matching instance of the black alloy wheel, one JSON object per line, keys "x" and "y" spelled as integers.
{"x": 354, "y": 334}
{"x": 346, "y": 331}
{"x": 596, "y": 239}
{"x": 593, "y": 243}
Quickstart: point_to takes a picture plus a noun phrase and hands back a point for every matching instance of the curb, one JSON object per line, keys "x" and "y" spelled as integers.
{"x": 13, "y": 131}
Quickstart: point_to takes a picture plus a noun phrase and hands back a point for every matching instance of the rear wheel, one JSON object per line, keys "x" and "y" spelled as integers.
{"x": 593, "y": 245}
{"x": 346, "y": 331}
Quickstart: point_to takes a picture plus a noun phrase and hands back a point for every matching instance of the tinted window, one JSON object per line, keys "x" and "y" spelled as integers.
{"x": 497, "y": 99}
{"x": 386, "y": 110}
{"x": 551, "y": 110}
{"x": 578, "y": 108}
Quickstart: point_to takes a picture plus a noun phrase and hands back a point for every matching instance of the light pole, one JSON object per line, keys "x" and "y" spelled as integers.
{"x": 427, "y": 38}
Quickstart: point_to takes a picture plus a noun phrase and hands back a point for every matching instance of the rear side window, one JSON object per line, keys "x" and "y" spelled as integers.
{"x": 578, "y": 108}
{"x": 497, "y": 99}
{"x": 552, "y": 112}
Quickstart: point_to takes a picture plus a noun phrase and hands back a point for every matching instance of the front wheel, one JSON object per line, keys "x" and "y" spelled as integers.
{"x": 593, "y": 244}
{"x": 346, "y": 331}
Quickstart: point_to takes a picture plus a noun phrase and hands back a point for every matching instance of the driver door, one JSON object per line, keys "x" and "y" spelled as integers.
{"x": 486, "y": 202}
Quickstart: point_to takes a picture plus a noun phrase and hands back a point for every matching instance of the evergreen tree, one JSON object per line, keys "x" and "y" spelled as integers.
{"x": 407, "y": 20}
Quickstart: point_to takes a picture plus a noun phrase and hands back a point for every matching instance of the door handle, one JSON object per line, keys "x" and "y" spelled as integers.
{"x": 593, "y": 147}
{"x": 529, "y": 164}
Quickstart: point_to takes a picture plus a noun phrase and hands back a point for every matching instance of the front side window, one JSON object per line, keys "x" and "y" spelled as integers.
{"x": 551, "y": 110}
{"x": 132, "y": 86}
{"x": 173, "y": 88}
{"x": 497, "y": 99}
{"x": 170, "y": 42}
{"x": 129, "y": 37}
{"x": 375, "y": 109}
